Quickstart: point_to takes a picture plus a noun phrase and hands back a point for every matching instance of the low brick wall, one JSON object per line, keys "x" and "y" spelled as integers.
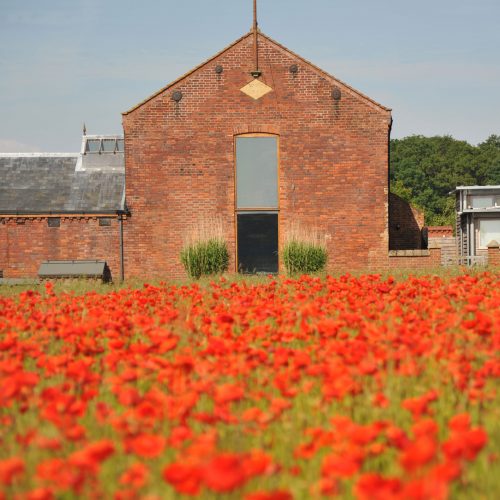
{"x": 25, "y": 242}
{"x": 415, "y": 259}
{"x": 449, "y": 249}
{"x": 439, "y": 232}
{"x": 494, "y": 255}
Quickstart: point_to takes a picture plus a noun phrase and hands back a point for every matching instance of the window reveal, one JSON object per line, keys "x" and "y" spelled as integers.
{"x": 257, "y": 203}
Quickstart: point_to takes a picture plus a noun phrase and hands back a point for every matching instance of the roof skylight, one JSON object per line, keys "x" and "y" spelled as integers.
{"x": 104, "y": 145}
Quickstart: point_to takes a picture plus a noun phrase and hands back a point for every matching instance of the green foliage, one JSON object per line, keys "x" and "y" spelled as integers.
{"x": 424, "y": 170}
{"x": 301, "y": 257}
{"x": 204, "y": 258}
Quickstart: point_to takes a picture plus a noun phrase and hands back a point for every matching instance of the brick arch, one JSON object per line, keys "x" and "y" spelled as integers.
{"x": 256, "y": 129}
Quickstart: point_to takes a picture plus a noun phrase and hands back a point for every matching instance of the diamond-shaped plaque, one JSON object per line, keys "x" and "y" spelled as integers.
{"x": 256, "y": 89}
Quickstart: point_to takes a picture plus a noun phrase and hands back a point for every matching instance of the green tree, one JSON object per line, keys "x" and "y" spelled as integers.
{"x": 489, "y": 161}
{"x": 424, "y": 170}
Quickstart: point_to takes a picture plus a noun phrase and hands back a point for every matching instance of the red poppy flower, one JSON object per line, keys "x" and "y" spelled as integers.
{"x": 93, "y": 454}
{"x": 227, "y": 393}
{"x": 269, "y": 495}
{"x": 372, "y": 486}
{"x": 344, "y": 465}
{"x": 40, "y": 494}
{"x": 146, "y": 445}
{"x": 225, "y": 472}
{"x": 256, "y": 463}
{"x": 136, "y": 475}
{"x": 184, "y": 477}
{"x": 419, "y": 453}
{"x": 10, "y": 468}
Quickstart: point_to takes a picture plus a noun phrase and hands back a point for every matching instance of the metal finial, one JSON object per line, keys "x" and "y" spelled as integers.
{"x": 255, "y": 23}
{"x": 256, "y": 73}
{"x": 84, "y": 129}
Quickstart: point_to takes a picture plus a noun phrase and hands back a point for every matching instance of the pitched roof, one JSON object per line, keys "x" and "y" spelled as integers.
{"x": 61, "y": 183}
{"x": 281, "y": 47}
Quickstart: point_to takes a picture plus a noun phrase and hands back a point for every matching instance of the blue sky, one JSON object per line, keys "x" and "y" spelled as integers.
{"x": 64, "y": 62}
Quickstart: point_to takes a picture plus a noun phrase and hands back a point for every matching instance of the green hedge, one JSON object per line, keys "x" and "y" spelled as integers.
{"x": 205, "y": 257}
{"x": 304, "y": 258}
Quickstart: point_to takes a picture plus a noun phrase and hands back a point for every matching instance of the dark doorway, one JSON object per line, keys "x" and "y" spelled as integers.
{"x": 257, "y": 242}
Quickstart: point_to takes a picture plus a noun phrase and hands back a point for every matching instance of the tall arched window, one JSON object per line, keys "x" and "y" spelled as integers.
{"x": 257, "y": 203}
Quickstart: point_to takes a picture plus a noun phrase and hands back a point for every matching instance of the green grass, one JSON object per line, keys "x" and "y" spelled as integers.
{"x": 82, "y": 286}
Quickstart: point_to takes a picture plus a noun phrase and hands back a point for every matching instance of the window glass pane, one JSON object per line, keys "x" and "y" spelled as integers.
{"x": 489, "y": 230}
{"x": 257, "y": 172}
{"x": 120, "y": 145}
{"x": 481, "y": 201}
{"x": 258, "y": 243}
{"x": 93, "y": 146}
{"x": 105, "y": 222}
{"x": 54, "y": 222}
{"x": 108, "y": 145}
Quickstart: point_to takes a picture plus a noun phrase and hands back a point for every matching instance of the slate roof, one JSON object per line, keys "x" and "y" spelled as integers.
{"x": 61, "y": 183}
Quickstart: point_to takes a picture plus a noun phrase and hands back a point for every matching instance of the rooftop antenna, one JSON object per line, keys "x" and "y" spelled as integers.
{"x": 256, "y": 73}
{"x": 84, "y": 129}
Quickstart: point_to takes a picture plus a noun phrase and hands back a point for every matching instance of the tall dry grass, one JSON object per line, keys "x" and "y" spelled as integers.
{"x": 209, "y": 228}
{"x": 305, "y": 234}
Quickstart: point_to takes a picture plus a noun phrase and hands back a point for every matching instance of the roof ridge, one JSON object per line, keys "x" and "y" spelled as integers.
{"x": 39, "y": 155}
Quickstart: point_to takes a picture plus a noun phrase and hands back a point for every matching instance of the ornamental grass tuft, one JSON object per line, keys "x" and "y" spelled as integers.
{"x": 205, "y": 250}
{"x": 304, "y": 251}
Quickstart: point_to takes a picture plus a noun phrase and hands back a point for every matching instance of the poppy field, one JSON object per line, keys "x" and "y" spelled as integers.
{"x": 351, "y": 387}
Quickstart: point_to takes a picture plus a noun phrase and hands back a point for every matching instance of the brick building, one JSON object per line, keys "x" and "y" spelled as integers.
{"x": 58, "y": 206}
{"x": 256, "y": 137}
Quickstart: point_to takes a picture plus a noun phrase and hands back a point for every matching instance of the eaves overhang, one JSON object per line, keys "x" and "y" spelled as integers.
{"x": 66, "y": 213}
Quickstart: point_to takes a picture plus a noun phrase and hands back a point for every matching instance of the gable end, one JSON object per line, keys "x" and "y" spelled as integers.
{"x": 316, "y": 69}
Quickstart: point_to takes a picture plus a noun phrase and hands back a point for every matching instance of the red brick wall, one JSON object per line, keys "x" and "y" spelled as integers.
{"x": 405, "y": 224}
{"x": 26, "y": 242}
{"x": 418, "y": 259}
{"x": 333, "y": 172}
{"x": 440, "y": 232}
{"x": 494, "y": 256}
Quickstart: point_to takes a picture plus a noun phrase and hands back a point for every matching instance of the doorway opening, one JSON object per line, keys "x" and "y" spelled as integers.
{"x": 257, "y": 242}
